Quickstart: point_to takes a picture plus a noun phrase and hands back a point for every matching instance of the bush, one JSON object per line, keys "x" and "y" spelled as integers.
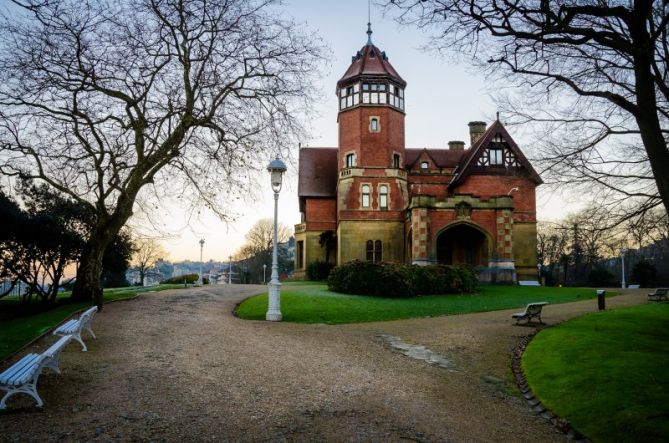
{"x": 601, "y": 277}
{"x": 190, "y": 278}
{"x": 399, "y": 280}
{"x": 319, "y": 270}
{"x": 644, "y": 273}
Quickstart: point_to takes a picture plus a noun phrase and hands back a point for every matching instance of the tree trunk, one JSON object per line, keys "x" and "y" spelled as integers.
{"x": 87, "y": 286}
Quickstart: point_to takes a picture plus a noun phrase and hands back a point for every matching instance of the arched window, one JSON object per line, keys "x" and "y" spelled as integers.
{"x": 383, "y": 196}
{"x": 378, "y": 251}
{"x": 366, "y": 191}
{"x": 374, "y": 124}
{"x": 425, "y": 165}
{"x": 350, "y": 160}
{"x": 370, "y": 250}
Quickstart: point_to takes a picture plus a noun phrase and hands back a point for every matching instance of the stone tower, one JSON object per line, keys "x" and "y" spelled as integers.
{"x": 372, "y": 180}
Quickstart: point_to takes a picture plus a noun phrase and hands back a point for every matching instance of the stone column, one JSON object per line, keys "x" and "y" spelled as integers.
{"x": 419, "y": 236}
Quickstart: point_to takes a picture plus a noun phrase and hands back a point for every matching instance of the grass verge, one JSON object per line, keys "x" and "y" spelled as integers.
{"x": 606, "y": 373}
{"x": 313, "y": 303}
{"x": 18, "y": 332}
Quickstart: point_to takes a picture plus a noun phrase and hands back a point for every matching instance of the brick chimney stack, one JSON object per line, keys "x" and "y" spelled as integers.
{"x": 456, "y": 145}
{"x": 476, "y": 130}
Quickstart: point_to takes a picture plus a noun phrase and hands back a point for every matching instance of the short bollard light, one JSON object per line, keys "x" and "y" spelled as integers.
{"x": 601, "y": 301}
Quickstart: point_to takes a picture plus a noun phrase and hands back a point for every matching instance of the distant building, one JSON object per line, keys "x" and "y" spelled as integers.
{"x": 385, "y": 202}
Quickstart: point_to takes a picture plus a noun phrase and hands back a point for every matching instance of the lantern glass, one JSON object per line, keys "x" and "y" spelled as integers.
{"x": 276, "y": 180}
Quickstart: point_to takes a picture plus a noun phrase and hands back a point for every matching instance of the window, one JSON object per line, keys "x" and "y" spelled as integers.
{"x": 425, "y": 165}
{"x": 350, "y": 160}
{"x": 496, "y": 156}
{"x": 396, "y": 161}
{"x": 383, "y": 197}
{"x": 300, "y": 254}
{"x": 374, "y": 251}
{"x": 374, "y": 124}
{"x": 365, "y": 196}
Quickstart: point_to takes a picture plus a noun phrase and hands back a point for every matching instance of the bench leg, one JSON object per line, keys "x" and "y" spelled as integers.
{"x": 77, "y": 337}
{"x": 28, "y": 388}
{"x": 90, "y": 331}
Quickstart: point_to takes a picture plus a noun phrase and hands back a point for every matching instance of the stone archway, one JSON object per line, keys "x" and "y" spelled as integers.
{"x": 462, "y": 244}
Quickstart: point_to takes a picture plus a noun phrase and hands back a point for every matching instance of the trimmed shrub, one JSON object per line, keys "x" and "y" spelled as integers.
{"x": 190, "y": 278}
{"x": 319, "y": 270}
{"x": 601, "y": 277}
{"x": 399, "y": 280}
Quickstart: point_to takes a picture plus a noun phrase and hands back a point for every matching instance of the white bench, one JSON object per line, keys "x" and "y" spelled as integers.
{"x": 22, "y": 376}
{"x": 532, "y": 310}
{"x": 75, "y": 327}
{"x": 528, "y": 283}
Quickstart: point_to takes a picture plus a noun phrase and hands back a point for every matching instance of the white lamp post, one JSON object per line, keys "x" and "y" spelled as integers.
{"x": 276, "y": 169}
{"x": 201, "y": 276}
{"x": 230, "y": 269}
{"x": 622, "y": 256}
{"x": 264, "y": 268}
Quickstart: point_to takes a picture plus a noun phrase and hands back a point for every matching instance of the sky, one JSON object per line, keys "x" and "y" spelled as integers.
{"x": 441, "y": 98}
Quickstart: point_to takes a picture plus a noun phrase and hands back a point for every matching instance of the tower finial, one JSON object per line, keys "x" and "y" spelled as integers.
{"x": 369, "y": 22}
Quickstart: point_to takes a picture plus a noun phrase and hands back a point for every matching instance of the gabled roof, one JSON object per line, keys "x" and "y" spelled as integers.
{"x": 370, "y": 61}
{"x": 443, "y": 158}
{"x": 317, "y": 172}
{"x": 473, "y": 153}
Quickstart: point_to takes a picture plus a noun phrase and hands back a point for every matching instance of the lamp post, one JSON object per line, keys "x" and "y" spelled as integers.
{"x": 201, "y": 248}
{"x": 276, "y": 168}
{"x": 539, "y": 272}
{"x": 622, "y": 256}
{"x": 230, "y": 269}
{"x": 264, "y": 268}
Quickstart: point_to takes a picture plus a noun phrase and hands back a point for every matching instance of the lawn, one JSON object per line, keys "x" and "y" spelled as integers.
{"x": 606, "y": 373}
{"x": 17, "y": 332}
{"x": 313, "y": 303}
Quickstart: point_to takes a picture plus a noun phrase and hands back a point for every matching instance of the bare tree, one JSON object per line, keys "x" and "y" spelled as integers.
{"x": 591, "y": 76}
{"x": 147, "y": 252}
{"x": 101, "y": 99}
{"x": 259, "y": 244}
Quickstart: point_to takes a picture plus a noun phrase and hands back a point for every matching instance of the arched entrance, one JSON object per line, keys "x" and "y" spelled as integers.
{"x": 462, "y": 244}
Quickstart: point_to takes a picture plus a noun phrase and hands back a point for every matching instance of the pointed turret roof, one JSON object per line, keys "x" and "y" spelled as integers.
{"x": 372, "y": 62}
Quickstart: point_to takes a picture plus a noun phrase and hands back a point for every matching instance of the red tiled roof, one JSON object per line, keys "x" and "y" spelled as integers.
{"x": 318, "y": 172}
{"x": 370, "y": 61}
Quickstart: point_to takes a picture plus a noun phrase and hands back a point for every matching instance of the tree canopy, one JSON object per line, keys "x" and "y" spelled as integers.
{"x": 102, "y": 99}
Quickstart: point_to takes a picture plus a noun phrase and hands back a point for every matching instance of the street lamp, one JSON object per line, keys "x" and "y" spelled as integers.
{"x": 201, "y": 247}
{"x": 230, "y": 269}
{"x": 276, "y": 168}
{"x": 622, "y": 256}
{"x": 264, "y": 268}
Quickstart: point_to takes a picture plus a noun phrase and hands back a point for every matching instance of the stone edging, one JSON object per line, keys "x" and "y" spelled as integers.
{"x": 560, "y": 424}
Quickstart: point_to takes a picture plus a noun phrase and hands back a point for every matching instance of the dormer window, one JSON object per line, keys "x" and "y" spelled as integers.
{"x": 496, "y": 157}
{"x": 350, "y": 160}
{"x": 424, "y": 165}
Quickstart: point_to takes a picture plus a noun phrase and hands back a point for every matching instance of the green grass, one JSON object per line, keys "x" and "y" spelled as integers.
{"x": 606, "y": 373}
{"x": 17, "y": 332}
{"x": 313, "y": 303}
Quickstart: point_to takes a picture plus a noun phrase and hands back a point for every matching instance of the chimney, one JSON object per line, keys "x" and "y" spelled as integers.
{"x": 476, "y": 130}
{"x": 456, "y": 145}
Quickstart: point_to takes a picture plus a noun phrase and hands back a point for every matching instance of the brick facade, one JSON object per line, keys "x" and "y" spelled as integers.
{"x": 472, "y": 206}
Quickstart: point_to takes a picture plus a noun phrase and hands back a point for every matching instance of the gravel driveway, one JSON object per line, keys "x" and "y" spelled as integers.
{"x": 178, "y": 366}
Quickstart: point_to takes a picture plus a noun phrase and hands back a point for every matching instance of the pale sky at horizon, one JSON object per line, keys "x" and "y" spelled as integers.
{"x": 441, "y": 98}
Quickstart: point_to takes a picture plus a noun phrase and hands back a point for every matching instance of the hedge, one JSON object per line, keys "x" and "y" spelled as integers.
{"x": 319, "y": 270}
{"x": 190, "y": 278}
{"x": 400, "y": 280}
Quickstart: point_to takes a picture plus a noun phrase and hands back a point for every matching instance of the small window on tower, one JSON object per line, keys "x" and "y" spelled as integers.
{"x": 365, "y": 196}
{"x": 374, "y": 124}
{"x": 396, "y": 161}
{"x": 350, "y": 160}
{"x": 383, "y": 197}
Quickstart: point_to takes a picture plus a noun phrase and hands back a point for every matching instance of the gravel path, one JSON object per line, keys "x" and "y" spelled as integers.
{"x": 178, "y": 366}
